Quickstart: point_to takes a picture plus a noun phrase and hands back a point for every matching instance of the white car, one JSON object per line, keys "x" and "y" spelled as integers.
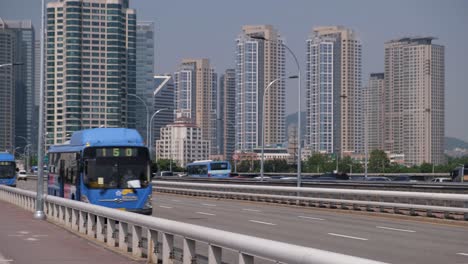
{"x": 441, "y": 180}
{"x": 22, "y": 175}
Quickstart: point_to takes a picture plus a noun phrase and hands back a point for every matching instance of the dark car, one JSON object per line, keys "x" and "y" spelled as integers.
{"x": 384, "y": 179}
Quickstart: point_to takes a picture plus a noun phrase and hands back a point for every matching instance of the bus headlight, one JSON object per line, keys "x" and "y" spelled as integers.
{"x": 149, "y": 202}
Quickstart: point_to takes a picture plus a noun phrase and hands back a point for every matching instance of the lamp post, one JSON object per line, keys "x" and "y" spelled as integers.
{"x": 147, "y": 116}
{"x": 262, "y": 170}
{"x": 150, "y": 143}
{"x": 39, "y": 213}
{"x": 299, "y": 151}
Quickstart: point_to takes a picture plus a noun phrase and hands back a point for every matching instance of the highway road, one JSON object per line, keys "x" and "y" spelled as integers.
{"x": 390, "y": 239}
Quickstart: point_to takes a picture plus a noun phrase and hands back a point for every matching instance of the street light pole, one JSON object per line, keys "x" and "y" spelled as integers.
{"x": 147, "y": 116}
{"x": 299, "y": 147}
{"x": 150, "y": 143}
{"x": 262, "y": 170}
{"x": 39, "y": 213}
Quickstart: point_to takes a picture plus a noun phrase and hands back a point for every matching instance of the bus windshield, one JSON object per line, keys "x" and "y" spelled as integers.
{"x": 7, "y": 169}
{"x": 116, "y": 168}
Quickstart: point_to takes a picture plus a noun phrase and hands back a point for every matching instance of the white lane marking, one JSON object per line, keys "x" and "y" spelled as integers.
{"x": 204, "y": 213}
{"x": 260, "y": 222}
{"x": 251, "y": 210}
{"x": 463, "y": 254}
{"x": 209, "y": 204}
{"x": 311, "y": 218}
{"x": 40, "y": 235}
{"x": 176, "y": 200}
{"x": 167, "y": 207}
{"x": 31, "y": 239}
{"x": 15, "y": 235}
{"x": 23, "y": 232}
{"x": 396, "y": 229}
{"x": 345, "y": 236}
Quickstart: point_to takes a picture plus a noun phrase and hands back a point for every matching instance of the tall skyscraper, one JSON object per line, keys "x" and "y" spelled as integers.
{"x": 227, "y": 113}
{"x": 333, "y": 84}
{"x": 37, "y": 88}
{"x": 414, "y": 106}
{"x": 163, "y": 98}
{"x": 7, "y": 88}
{"x": 195, "y": 87}
{"x": 23, "y": 32}
{"x": 259, "y": 62}
{"x": 91, "y": 66}
{"x": 144, "y": 72}
{"x": 374, "y": 112}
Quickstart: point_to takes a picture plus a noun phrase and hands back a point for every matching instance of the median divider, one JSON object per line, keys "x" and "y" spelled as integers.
{"x": 448, "y": 204}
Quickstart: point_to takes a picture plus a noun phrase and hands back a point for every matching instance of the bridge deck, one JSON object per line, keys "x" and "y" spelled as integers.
{"x": 25, "y": 240}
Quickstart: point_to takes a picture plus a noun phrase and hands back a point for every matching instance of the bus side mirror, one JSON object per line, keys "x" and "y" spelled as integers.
{"x": 17, "y": 169}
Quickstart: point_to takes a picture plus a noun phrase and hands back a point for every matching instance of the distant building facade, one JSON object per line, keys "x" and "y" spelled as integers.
{"x": 163, "y": 98}
{"x": 21, "y": 33}
{"x": 374, "y": 112}
{"x": 227, "y": 114}
{"x": 196, "y": 97}
{"x": 182, "y": 142}
{"x": 333, "y": 84}
{"x": 259, "y": 62}
{"x": 414, "y": 99}
{"x": 90, "y": 66}
{"x": 144, "y": 72}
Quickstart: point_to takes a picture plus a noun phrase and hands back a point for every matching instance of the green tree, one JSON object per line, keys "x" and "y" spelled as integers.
{"x": 378, "y": 161}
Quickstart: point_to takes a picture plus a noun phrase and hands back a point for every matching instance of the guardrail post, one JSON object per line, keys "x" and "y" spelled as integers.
{"x": 110, "y": 232}
{"x": 82, "y": 224}
{"x": 90, "y": 226}
{"x": 74, "y": 225}
{"x": 189, "y": 251}
{"x": 123, "y": 232}
{"x": 100, "y": 228}
{"x": 214, "y": 254}
{"x": 136, "y": 241}
{"x": 153, "y": 249}
{"x": 68, "y": 222}
{"x": 61, "y": 214}
{"x": 168, "y": 249}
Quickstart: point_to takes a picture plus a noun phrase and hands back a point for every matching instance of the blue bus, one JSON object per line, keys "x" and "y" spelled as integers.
{"x": 103, "y": 166}
{"x": 7, "y": 169}
{"x": 209, "y": 168}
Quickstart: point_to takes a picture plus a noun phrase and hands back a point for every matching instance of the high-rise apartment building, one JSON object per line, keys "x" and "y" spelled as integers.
{"x": 144, "y": 72}
{"x": 414, "y": 99}
{"x": 196, "y": 95}
{"x": 259, "y": 62}
{"x": 374, "y": 112}
{"x": 333, "y": 85}
{"x": 23, "y": 33}
{"x": 163, "y": 98}
{"x": 91, "y": 66}
{"x": 227, "y": 113}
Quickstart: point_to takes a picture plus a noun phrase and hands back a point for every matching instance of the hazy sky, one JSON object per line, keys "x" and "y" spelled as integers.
{"x": 208, "y": 28}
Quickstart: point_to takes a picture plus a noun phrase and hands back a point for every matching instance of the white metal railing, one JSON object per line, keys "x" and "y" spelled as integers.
{"x": 446, "y": 203}
{"x": 154, "y": 238}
